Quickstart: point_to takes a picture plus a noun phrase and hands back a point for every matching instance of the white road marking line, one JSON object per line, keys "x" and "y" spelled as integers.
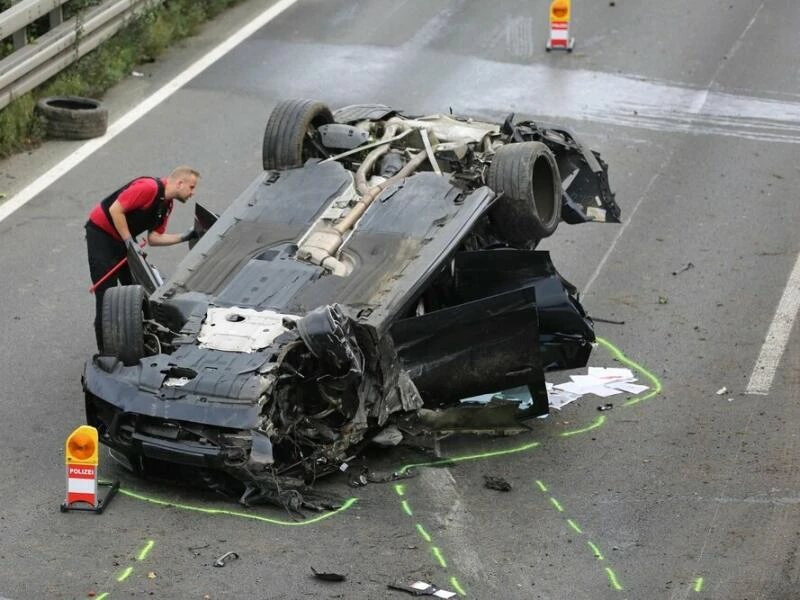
{"x": 777, "y": 336}
{"x": 627, "y": 221}
{"x": 87, "y": 149}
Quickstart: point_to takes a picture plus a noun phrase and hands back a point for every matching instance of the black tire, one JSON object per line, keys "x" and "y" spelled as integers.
{"x": 123, "y": 323}
{"x": 529, "y": 210}
{"x": 290, "y": 137}
{"x": 73, "y": 117}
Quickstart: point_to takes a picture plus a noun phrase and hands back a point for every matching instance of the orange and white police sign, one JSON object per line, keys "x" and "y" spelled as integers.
{"x": 560, "y": 15}
{"x": 82, "y": 453}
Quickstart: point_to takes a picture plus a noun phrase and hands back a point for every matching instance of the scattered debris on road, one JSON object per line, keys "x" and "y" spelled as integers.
{"x": 328, "y": 576}
{"x": 421, "y": 588}
{"x": 496, "y": 483}
{"x": 220, "y": 562}
{"x": 609, "y": 321}
{"x": 365, "y": 476}
{"x": 684, "y": 268}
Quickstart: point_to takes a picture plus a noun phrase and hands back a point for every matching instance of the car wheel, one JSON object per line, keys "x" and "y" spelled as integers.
{"x": 123, "y": 323}
{"x": 526, "y": 174}
{"x": 291, "y": 136}
{"x": 73, "y": 117}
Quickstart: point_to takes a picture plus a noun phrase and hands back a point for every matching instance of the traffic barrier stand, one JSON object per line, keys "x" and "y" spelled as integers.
{"x": 559, "y": 26}
{"x": 82, "y": 484}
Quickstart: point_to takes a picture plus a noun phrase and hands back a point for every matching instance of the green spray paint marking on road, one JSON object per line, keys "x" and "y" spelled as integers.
{"x": 596, "y": 550}
{"x": 438, "y": 554}
{"x": 574, "y": 525}
{"x": 597, "y": 423}
{"x": 612, "y": 577}
{"x": 425, "y": 535}
{"x": 698, "y": 584}
{"x": 457, "y": 586}
{"x": 128, "y": 571}
{"x": 618, "y": 354}
{"x": 480, "y": 456}
{"x": 146, "y": 550}
{"x": 435, "y": 550}
{"x": 231, "y": 513}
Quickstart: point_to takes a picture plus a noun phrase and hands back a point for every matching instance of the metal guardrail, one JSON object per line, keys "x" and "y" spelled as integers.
{"x": 14, "y": 20}
{"x": 32, "y": 64}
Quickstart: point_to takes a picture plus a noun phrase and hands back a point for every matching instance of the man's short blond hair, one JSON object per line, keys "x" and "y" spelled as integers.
{"x": 184, "y": 172}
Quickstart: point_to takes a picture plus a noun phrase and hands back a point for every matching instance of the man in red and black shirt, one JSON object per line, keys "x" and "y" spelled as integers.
{"x": 142, "y": 205}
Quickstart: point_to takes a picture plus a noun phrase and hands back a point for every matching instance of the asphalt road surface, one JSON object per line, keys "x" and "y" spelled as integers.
{"x": 679, "y": 492}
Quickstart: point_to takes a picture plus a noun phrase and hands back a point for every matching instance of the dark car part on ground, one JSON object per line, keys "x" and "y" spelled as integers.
{"x": 378, "y": 272}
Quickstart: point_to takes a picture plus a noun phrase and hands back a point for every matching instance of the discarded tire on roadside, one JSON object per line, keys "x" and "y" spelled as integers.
{"x": 73, "y": 117}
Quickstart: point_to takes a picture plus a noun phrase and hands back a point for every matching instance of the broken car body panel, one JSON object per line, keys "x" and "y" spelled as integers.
{"x": 343, "y": 295}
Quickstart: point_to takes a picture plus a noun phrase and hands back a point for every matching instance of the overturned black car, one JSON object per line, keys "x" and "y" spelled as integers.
{"x": 380, "y": 270}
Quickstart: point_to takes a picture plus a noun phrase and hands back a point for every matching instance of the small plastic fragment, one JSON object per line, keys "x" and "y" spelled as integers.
{"x": 686, "y": 267}
{"x": 220, "y": 562}
{"x": 606, "y": 406}
{"x": 328, "y": 576}
{"x": 722, "y": 390}
{"x": 358, "y": 479}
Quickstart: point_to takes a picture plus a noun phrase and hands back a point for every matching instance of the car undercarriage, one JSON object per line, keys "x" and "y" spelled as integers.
{"x": 378, "y": 272}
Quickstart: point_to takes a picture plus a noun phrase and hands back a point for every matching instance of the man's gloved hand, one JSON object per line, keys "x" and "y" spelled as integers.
{"x": 190, "y": 235}
{"x": 132, "y": 245}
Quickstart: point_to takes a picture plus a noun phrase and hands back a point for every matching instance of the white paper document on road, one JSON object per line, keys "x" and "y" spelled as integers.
{"x": 631, "y": 388}
{"x": 600, "y": 381}
{"x": 611, "y": 373}
{"x": 557, "y": 398}
{"x": 579, "y": 388}
{"x": 603, "y": 382}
